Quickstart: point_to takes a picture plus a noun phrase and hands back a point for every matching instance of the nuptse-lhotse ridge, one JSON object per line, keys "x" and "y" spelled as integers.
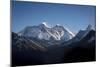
{"x": 52, "y": 44}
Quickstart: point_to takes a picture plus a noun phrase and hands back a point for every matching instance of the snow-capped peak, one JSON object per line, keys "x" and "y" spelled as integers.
{"x": 45, "y": 24}
{"x": 58, "y": 25}
{"x": 82, "y": 33}
{"x": 89, "y": 27}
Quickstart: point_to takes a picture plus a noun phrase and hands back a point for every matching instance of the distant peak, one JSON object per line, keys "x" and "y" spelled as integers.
{"x": 89, "y": 27}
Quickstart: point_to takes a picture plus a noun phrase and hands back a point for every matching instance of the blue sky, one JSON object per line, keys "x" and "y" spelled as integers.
{"x": 73, "y": 17}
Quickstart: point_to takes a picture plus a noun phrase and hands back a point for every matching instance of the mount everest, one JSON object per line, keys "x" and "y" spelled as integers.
{"x": 43, "y": 31}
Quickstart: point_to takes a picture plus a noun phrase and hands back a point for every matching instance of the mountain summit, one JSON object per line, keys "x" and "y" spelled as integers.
{"x": 89, "y": 27}
{"x": 44, "y": 24}
{"x": 43, "y": 31}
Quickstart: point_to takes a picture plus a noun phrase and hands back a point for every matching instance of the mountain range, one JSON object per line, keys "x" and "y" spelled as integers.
{"x": 43, "y": 31}
{"x": 47, "y": 45}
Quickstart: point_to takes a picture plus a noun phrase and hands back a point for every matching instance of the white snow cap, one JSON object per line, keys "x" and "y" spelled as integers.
{"x": 45, "y": 23}
{"x": 58, "y": 24}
